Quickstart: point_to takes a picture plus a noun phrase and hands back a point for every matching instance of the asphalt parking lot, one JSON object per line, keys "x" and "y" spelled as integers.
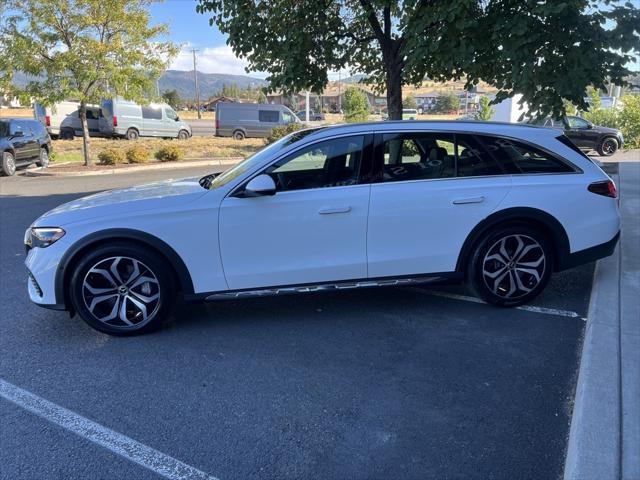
{"x": 397, "y": 383}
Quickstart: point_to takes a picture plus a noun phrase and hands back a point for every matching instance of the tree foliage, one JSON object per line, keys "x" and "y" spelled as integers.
{"x": 356, "y": 105}
{"x": 447, "y": 103}
{"x": 262, "y": 98}
{"x": 410, "y": 101}
{"x": 81, "y": 49}
{"x": 485, "y": 112}
{"x": 172, "y": 97}
{"x": 546, "y": 51}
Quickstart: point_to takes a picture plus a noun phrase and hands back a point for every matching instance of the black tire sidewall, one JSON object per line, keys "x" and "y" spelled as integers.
{"x": 155, "y": 262}
{"x": 602, "y": 143}
{"x": 132, "y": 134}
{"x": 40, "y": 163}
{"x": 8, "y": 164}
{"x": 238, "y": 135}
{"x": 183, "y": 135}
{"x": 474, "y": 270}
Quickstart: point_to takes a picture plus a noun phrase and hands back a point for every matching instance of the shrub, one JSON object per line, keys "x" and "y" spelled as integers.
{"x": 278, "y": 132}
{"x": 485, "y": 112}
{"x": 112, "y": 156}
{"x": 356, "y": 105}
{"x": 138, "y": 154}
{"x": 629, "y": 120}
{"x": 170, "y": 154}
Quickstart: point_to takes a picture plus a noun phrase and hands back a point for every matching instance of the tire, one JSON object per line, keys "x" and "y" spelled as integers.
{"x": 66, "y": 134}
{"x": 8, "y": 164}
{"x": 608, "y": 146}
{"x": 510, "y": 265}
{"x": 43, "y": 161}
{"x": 238, "y": 135}
{"x": 144, "y": 282}
{"x": 132, "y": 134}
{"x": 183, "y": 135}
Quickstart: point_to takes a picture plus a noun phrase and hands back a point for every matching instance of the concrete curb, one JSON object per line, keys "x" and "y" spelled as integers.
{"x": 50, "y": 171}
{"x": 604, "y": 440}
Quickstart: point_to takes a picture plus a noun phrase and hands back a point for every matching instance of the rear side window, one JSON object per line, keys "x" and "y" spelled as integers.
{"x": 567, "y": 142}
{"x": 149, "y": 113}
{"x": 4, "y": 129}
{"x": 518, "y": 158}
{"x": 473, "y": 159}
{"x": 268, "y": 116}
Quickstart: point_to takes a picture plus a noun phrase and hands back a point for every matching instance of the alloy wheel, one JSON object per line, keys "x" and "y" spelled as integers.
{"x": 609, "y": 146}
{"x": 121, "y": 292}
{"x": 514, "y": 266}
{"x": 10, "y": 164}
{"x": 44, "y": 157}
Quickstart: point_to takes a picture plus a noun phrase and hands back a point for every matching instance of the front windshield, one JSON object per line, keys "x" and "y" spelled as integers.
{"x": 258, "y": 157}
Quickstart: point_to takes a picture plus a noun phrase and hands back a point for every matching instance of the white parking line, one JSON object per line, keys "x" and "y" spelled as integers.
{"x": 120, "y": 444}
{"x": 527, "y": 308}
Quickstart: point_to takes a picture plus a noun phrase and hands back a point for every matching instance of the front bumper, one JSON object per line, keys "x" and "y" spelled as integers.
{"x": 42, "y": 268}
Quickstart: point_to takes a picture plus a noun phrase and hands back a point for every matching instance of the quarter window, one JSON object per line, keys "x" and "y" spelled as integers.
{"x": 332, "y": 163}
{"x": 418, "y": 156}
{"x": 517, "y": 158}
{"x": 268, "y": 116}
{"x": 149, "y": 113}
{"x": 474, "y": 160}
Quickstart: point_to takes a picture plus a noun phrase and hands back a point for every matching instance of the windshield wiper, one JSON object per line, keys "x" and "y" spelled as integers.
{"x": 207, "y": 180}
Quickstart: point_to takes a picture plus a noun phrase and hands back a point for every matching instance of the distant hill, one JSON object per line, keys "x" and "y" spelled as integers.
{"x": 209, "y": 83}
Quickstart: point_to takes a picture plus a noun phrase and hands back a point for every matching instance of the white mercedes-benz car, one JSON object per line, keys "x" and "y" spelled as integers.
{"x": 499, "y": 206}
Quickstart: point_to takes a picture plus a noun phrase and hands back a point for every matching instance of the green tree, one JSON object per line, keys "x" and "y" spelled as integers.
{"x": 447, "y": 103}
{"x": 172, "y": 97}
{"x": 629, "y": 120}
{"x": 317, "y": 104}
{"x": 356, "y": 105}
{"x": 546, "y": 51}
{"x": 410, "y": 101}
{"x": 262, "y": 98}
{"x": 84, "y": 49}
{"x": 485, "y": 112}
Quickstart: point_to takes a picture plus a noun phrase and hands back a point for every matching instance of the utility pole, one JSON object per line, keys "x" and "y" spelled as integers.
{"x": 195, "y": 79}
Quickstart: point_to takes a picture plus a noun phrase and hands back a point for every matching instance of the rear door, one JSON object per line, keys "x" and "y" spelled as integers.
{"x": 432, "y": 189}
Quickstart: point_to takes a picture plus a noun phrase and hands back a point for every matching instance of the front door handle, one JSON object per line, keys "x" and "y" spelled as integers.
{"x": 332, "y": 210}
{"x": 463, "y": 201}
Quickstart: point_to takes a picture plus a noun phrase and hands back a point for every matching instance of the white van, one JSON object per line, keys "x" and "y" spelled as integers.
{"x": 123, "y": 118}
{"x": 63, "y": 121}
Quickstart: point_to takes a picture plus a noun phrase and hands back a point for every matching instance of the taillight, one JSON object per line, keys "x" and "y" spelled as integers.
{"x": 47, "y": 121}
{"x": 606, "y": 188}
{"x": 115, "y": 121}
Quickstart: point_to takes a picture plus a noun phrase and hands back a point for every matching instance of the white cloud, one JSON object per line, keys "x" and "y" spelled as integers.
{"x": 219, "y": 59}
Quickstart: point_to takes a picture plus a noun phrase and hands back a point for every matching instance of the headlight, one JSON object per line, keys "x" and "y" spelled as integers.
{"x": 42, "y": 236}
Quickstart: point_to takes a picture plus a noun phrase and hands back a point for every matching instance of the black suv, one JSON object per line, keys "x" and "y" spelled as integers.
{"x": 585, "y": 135}
{"x": 23, "y": 142}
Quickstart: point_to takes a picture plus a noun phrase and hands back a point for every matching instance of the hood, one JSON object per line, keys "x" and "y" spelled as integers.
{"x": 124, "y": 201}
{"x": 613, "y": 131}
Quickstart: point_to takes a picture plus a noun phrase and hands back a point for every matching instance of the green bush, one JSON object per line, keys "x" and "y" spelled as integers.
{"x": 627, "y": 119}
{"x": 170, "y": 154}
{"x": 112, "y": 156}
{"x": 278, "y": 132}
{"x": 356, "y": 105}
{"x": 138, "y": 154}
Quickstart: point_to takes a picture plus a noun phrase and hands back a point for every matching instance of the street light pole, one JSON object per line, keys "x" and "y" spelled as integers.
{"x": 195, "y": 79}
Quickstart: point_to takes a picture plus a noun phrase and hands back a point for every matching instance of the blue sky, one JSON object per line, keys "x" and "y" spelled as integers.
{"x": 192, "y": 30}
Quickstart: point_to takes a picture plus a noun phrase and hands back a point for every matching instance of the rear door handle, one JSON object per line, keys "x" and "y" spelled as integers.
{"x": 332, "y": 210}
{"x": 462, "y": 201}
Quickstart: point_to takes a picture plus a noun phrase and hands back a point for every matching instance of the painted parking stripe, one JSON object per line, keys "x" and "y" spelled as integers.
{"x": 527, "y": 308}
{"x": 120, "y": 444}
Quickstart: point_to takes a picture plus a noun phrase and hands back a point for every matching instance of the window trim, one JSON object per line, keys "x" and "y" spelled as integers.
{"x": 367, "y": 160}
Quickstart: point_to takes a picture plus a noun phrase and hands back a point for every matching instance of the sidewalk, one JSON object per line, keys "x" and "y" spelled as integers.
{"x": 604, "y": 441}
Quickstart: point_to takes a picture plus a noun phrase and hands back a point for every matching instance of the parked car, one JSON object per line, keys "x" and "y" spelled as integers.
{"x": 392, "y": 203}
{"x": 126, "y": 119}
{"x": 22, "y": 143}
{"x": 245, "y": 120}
{"x": 62, "y": 119}
{"x": 409, "y": 113}
{"x": 313, "y": 115}
{"x": 585, "y": 135}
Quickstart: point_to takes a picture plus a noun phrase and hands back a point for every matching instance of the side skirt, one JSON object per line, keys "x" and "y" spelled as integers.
{"x": 447, "y": 277}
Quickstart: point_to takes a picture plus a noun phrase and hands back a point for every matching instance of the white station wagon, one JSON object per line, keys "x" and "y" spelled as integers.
{"x": 499, "y": 206}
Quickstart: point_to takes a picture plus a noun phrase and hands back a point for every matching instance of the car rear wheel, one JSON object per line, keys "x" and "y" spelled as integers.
{"x": 132, "y": 134}
{"x": 238, "y": 135}
{"x": 8, "y": 164}
{"x": 511, "y": 265}
{"x": 122, "y": 289}
{"x": 43, "y": 161}
{"x": 67, "y": 134}
{"x": 608, "y": 147}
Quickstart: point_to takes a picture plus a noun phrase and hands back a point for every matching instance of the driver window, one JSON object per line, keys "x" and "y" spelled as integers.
{"x": 171, "y": 115}
{"x": 333, "y": 163}
{"x": 575, "y": 122}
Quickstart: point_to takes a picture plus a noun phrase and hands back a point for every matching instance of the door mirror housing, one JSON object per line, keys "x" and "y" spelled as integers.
{"x": 17, "y": 133}
{"x": 260, "y": 186}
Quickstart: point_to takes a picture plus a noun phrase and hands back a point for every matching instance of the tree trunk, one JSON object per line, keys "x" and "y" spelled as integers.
{"x": 394, "y": 90}
{"x": 82, "y": 112}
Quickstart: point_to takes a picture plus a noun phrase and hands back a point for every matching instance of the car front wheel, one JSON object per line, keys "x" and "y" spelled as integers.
{"x": 510, "y": 266}
{"x": 43, "y": 160}
{"x": 8, "y": 164}
{"x": 122, "y": 289}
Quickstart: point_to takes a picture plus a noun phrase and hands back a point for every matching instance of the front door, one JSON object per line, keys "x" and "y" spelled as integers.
{"x": 581, "y": 133}
{"x": 313, "y": 230}
{"x": 427, "y": 201}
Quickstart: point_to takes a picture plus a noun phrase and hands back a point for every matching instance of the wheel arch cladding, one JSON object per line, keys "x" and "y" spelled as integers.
{"x": 533, "y": 217}
{"x": 76, "y": 251}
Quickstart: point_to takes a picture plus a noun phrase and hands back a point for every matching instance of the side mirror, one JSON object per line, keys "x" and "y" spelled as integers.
{"x": 177, "y": 119}
{"x": 260, "y": 186}
{"x": 590, "y": 125}
{"x": 19, "y": 133}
